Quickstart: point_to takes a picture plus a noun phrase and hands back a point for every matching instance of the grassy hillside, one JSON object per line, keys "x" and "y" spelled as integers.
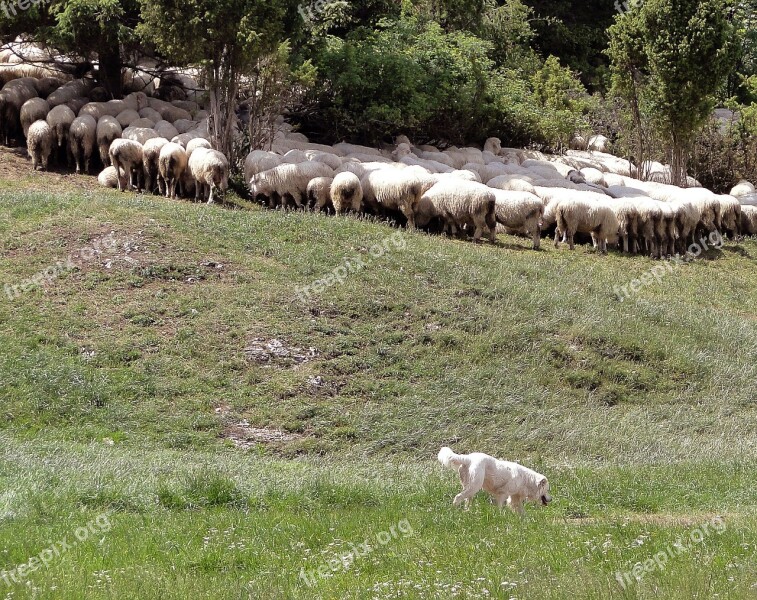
{"x": 171, "y": 371}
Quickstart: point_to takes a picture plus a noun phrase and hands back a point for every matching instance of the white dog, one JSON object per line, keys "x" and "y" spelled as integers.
{"x": 504, "y": 481}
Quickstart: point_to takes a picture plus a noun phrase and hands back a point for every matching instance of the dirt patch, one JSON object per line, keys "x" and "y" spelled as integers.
{"x": 17, "y": 168}
{"x": 244, "y": 436}
{"x": 277, "y": 352}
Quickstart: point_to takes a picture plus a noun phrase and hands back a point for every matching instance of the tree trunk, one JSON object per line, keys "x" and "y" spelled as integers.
{"x": 110, "y": 68}
{"x": 678, "y": 162}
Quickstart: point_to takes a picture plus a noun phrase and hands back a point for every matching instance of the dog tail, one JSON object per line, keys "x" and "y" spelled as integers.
{"x": 450, "y": 459}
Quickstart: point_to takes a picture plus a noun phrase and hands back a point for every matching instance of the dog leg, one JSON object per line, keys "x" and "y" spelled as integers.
{"x": 516, "y": 504}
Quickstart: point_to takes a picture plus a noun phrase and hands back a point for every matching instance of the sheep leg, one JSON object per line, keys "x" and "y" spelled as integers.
{"x": 537, "y": 237}
{"x": 210, "y": 199}
{"x": 557, "y": 238}
{"x": 571, "y": 244}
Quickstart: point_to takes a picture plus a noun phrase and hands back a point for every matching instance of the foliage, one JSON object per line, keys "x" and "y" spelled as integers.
{"x": 225, "y": 37}
{"x": 673, "y": 56}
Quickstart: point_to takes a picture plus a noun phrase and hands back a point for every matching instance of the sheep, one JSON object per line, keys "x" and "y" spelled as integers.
{"x": 599, "y": 143}
{"x": 666, "y": 231}
{"x": 33, "y": 110}
{"x": 493, "y": 145}
{"x": 143, "y": 123}
{"x": 258, "y": 161}
{"x": 594, "y": 176}
{"x": 184, "y": 138}
{"x": 318, "y": 193}
{"x": 196, "y": 143}
{"x": 150, "y": 164}
{"x": 210, "y": 170}
{"x": 139, "y": 134}
{"x": 165, "y": 129}
{"x": 184, "y": 125}
{"x": 730, "y": 215}
{"x": 82, "y": 138}
{"x": 12, "y": 97}
{"x": 287, "y": 182}
{"x": 39, "y": 143}
{"x": 578, "y": 215}
{"x": 332, "y": 160}
{"x": 108, "y": 129}
{"x": 686, "y": 220}
{"x": 126, "y": 155}
{"x": 60, "y": 119}
{"x": 513, "y": 183}
{"x": 108, "y": 177}
{"x": 519, "y": 211}
{"x": 627, "y": 215}
{"x": 346, "y": 193}
{"x": 749, "y": 220}
{"x": 742, "y": 188}
{"x": 463, "y": 203}
{"x": 150, "y": 113}
{"x": 650, "y": 216}
{"x": 172, "y": 162}
{"x": 346, "y": 149}
{"x": 392, "y": 190}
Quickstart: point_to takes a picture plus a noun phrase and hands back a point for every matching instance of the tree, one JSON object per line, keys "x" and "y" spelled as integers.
{"x": 87, "y": 30}
{"x": 676, "y": 54}
{"x": 226, "y": 38}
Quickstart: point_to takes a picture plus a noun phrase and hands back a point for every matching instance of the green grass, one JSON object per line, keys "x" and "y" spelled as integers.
{"x": 121, "y": 382}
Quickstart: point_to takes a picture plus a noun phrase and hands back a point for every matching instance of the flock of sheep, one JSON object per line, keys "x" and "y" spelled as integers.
{"x": 477, "y": 192}
{"x": 161, "y": 145}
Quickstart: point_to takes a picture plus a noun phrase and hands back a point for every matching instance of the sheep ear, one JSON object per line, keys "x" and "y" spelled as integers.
{"x": 542, "y": 482}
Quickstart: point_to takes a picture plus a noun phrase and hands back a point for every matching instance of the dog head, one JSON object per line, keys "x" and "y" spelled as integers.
{"x": 543, "y": 491}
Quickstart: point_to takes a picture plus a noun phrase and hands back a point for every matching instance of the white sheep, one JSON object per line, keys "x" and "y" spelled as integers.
{"x": 165, "y": 129}
{"x": 318, "y": 193}
{"x": 143, "y": 122}
{"x": 210, "y": 170}
{"x": 172, "y": 162}
{"x": 258, "y": 161}
{"x": 493, "y": 145}
{"x": 39, "y": 143}
{"x": 150, "y": 164}
{"x": 519, "y": 211}
{"x": 33, "y": 110}
{"x": 139, "y": 134}
{"x": 749, "y": 220}
{"x": 184, "y": 125}
{"x": 108, "y": 177}
{"x": 287, "y": 182}
{"x": 196, "y": 143}
{"x": 82, "y": 138}
{"x": 742, "y": 188}
{"x": 578, "y": 215}
{"x": 150, "y": 113}
{"x": 126, "y": 117}
{"x": 346, "y": 193}
{"x": 389, "y": 190}
{"x": 627, "y": 215}
{"x": 108, "y": 129}
{"x": 730, "y": 215}
{"x": 126, "y": 157}
{"x": 59, "y": 119}
{"x": 463, "y": 204}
